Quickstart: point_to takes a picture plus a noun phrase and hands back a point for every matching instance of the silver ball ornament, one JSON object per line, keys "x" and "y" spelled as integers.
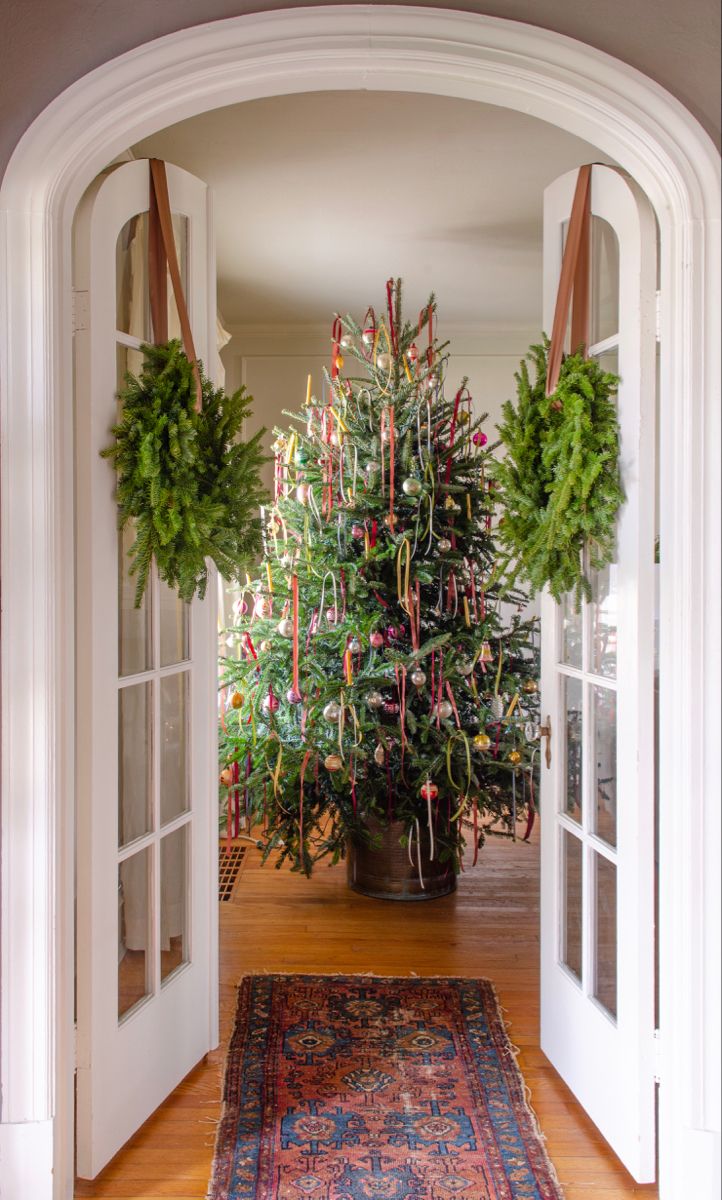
{"x": 379, "y": 755}
{"x": 418, "y": 678}
{"x": 346, "y": 341}
{"x": 285, "y": 628}
{"x": 332, "y": 711}
{"x": 383, "y": 362}
{"x": 411, "y": 487}
{"x": 465, "y": 666}
{"x": 443, "y": 545}
{"x": 355, "y": 646}
{"x": 444, "y": 710}
{"x": 374, "y": 700}
{"x": 293, "y": 696}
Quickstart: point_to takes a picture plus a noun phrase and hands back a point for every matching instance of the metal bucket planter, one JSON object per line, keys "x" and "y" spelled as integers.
{"x": 386, "y": 872}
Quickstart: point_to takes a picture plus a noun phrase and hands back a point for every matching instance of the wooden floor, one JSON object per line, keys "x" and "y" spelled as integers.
{"x": 280, "y": 922}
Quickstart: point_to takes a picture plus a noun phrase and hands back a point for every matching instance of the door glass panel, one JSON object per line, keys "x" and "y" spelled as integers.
{"x": 609, "y": 361}
{"x": 604, "y": 281}
{"x": 603, "y": 623}
{"x": 571, "y": 639}
{"x": 173, "y": 900}
{"x": 571, "y": 954}
{"x": 173, "y": 618}
{"x": 572, "y": 700}
{"x": 174, "y": 712}
{"x": 135, "y": 647}
{"x": 134, "y": 882}
{"x": 131, "y": 278}
{"x": 180, "y": 234}
{"x": 135, "y": 758}
{"x": 605, "y": 939}
{"x": 604, "y": 722}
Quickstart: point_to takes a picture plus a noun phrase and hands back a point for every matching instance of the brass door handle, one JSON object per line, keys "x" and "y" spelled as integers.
{"x": 545, "y": 731}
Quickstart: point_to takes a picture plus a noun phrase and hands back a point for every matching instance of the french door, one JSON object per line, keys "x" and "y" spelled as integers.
{"x": 597, "y": 897}
{"x": 147, "y": 958}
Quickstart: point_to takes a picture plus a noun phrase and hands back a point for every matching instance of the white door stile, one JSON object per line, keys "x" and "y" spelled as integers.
{"x": 126, "y": 1067}
{"x": 608, "y": 1062}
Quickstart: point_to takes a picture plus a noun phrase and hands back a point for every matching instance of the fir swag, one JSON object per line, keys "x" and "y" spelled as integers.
{"x": 189, "y": 487}
{"x": 559, "y": 481}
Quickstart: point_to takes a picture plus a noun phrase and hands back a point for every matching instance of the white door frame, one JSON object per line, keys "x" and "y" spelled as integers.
{"x": 364, "y": 47}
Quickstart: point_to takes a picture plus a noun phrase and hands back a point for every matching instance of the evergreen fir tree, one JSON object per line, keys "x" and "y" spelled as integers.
{"x": 414, "y": 697}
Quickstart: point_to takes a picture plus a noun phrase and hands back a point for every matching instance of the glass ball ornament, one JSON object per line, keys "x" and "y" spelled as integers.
{"x": 332, "y": 712}
{"x": 374, "y": 700}
{"x": 332, "y": 615}
{"x": 265, "y": 646}
{"x": 371, "y": 467}
{"x": 428, "y": 790}
{"x": 411, "y": 487}
{"x": 431, "y": 382}
{"x": 293, "y": 696}
{"x": 302, "y": 493}
{"x": 376, "y": 639}
{"x": 481, "y": 741}
{"x": 530, "y": 686}
{"x": 463, "y": 416}
{"x": 236, "y": 700}
{"x": 444, "y": 709}
{"x": 393, "y": 632}
{"x": 413, "y": 353}
{"x": 443, "y": 545}
{"x": 368, "y": 336}
{"x": 262, "y": 607}
{"x": 355, "y": 645}
{"x": 285, "y": 627}
{"x": 479, "y": 438}
{"x": 357, "y": 531}
{"x": 333, "y": 762}
{"x": 418, "y": 678}
{"x": 339, "y": 361}
{"x": 514, "y": 757}
{"x": 383, "y": 362}
{"x": 270, "y": 704}
{"x": 226, "y": 777}
{"x": 391, "y": 708}
{"x": 379, "y": 755}
{"x": 465, "y": 666}
{"x": 346, "y": 341}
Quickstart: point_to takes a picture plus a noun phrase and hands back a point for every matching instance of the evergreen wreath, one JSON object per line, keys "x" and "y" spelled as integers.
{"x": 190, "y": 488}
{"x": 559, "y": 481}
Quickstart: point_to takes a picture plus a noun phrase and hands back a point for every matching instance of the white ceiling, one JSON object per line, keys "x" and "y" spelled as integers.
{"x": 320, "y": 197}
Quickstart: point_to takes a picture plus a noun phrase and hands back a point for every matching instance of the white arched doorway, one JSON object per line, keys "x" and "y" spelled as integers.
{"x": 347, "y": 47}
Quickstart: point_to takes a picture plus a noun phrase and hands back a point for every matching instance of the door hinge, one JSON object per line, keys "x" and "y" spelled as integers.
{"x": 81, "y": 310}
{"x": 658, "y": 316}
{"x": 657, "y": 1056}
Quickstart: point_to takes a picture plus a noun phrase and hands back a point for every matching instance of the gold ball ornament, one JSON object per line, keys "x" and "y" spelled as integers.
{"x": 482, "y": 741}
{"x": 265, "y": 646}
{"x": 226, "y": 777}
{"x": 463, "y": 417}
{"x": 236, "y": 700}
{"x": 530, "y": 686}
{"x": 514, "y": 757}
{"x": 339, "y": 361}
{"x": 333, "y": 762}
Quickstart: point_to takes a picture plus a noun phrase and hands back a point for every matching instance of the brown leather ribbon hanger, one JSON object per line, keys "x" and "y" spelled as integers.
{"x": 573, "y": 281}
{"x": 161, "y": 255}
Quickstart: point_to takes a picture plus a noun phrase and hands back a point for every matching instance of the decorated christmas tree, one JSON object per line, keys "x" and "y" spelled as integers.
{"x": 378, "y": 673}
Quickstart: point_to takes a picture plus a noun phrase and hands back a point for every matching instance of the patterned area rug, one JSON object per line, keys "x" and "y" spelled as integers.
{"x": 360, "y": 1088}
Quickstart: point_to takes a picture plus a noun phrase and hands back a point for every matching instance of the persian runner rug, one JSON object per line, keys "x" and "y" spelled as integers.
{"x": 361, "y": 1088}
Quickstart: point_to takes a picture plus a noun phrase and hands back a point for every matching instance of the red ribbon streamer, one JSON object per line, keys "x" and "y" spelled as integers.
{"x": 294, "y": 592}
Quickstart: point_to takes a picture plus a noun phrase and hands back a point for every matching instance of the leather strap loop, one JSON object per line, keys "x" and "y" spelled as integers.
{"x": 162, "y": 251}
{"x": 573, "y": 281}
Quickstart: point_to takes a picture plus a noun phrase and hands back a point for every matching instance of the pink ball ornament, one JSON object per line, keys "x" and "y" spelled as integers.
{"x": 428, "y": 791}
{"x": 357, "y": 531}
{"x": 392, "y": 633}
{"x": 332, "y": 616}
{"x": 479, "y": 438}
{"x": 376, "y": 639}
{"x": 270, "y": 704}
{"x": 293, "y": 696}
{"x": 390, "y": 708}
{"x": 262, "y": 606}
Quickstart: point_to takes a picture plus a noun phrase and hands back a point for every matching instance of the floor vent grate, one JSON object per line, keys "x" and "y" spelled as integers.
{"x": 229, "y": 864}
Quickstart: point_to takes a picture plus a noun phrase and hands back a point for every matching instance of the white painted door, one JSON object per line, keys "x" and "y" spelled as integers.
{"x": 597, "y": 892}
{"x": 146, "y": 761}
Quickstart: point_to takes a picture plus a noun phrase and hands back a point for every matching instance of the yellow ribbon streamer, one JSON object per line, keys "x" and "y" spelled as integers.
{"x": 403, "y": 592}
{"x": 455, "y": 737}
{"x": 498, "y": 673}
{"x": 512, "y": 706}
{"x": 467, "y": 618}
